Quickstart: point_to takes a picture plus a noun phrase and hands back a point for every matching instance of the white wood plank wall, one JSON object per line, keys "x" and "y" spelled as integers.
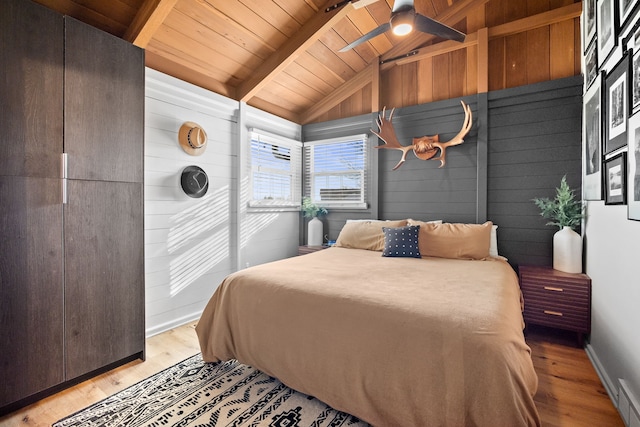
{"x": 191, "y": 245}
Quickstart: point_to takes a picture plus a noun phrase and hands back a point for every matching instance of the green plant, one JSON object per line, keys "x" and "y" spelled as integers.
{"x": 564, "y": 210}
{"x": 311, "y": 210}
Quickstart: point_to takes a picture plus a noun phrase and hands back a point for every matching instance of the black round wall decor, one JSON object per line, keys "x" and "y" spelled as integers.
{"x": 194, "y": 181}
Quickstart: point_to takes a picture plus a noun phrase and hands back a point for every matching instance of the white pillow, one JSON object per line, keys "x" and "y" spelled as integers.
{"x": 493, "y": 244}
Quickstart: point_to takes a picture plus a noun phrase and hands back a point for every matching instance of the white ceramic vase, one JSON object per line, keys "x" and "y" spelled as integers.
{"x": 314, "y": 232}
{"x": 567, "y": 251}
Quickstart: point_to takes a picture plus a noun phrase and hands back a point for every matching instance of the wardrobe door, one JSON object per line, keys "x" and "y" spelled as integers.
{"x": 31, "y": 286}
{"x": 31, "y": 54}
{"x": 104, "y": 274}
{"x": 31, "y": 265}
{"x": 104, "y": 105}
{"x": 104, "y": 232}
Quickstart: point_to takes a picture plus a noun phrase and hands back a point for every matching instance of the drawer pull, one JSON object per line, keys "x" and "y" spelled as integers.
{"x": 551, "y": 288}
{"x": 553, "y": 313}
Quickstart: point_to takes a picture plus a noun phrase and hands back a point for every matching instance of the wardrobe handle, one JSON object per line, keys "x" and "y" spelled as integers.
{"x": 65, "y": 172}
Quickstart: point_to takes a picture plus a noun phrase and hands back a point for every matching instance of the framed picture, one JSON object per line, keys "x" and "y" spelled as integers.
{"x": 625, "y": 9}
{"x": 635, "y": 80}
{"x": 633, "y": 169}
{"x": 589, "y": 24}
{"x": 592, "y": 143}
{"x": 606, "y": 26}
{"x": 615, "y": 178}
{"x": 617, "y": 106}
{"x": 591, "y": 64}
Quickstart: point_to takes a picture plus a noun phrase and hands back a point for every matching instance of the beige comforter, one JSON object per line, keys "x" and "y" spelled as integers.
{"x": 393, "y": 341}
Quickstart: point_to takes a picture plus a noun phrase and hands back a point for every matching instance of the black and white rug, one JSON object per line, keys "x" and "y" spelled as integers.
{"x": 194, "y": 393}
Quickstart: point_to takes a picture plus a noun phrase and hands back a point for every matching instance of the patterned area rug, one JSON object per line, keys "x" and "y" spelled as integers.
{"x": 194, "y": 393}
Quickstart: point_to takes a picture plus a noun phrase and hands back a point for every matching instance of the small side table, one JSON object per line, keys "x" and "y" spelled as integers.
{"x": 556, "y": 299}
{"x": 305, "y": 249}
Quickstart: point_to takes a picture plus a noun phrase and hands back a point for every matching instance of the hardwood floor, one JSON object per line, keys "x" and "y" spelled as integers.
{"x": 570, "y": 393}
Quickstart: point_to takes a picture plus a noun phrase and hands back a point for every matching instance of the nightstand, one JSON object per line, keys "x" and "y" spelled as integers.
{"x": 556, "y": 299}
{"x": 305, "y": 249}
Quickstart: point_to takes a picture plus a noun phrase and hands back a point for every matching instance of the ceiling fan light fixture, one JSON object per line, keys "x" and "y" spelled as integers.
{"x": 402, "y": 29}
{"x": 402, "y": 22}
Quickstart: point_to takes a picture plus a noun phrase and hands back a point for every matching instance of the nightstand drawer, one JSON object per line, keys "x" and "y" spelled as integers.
{"x": 554, "y": 289}
{"x": 558, "y": 306}
{"x": 549, "y": 295}
{"x": 557, "y": 316}
{"x": 556, "y": 299}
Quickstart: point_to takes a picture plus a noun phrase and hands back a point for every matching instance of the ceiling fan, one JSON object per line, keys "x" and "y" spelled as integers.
{"x": 402, "y": 21}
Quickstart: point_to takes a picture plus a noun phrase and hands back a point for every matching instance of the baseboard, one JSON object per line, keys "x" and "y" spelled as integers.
{"x": 610, "y": 386}
{"x": 619, "y": 393}
{"x": 173, "y": 323}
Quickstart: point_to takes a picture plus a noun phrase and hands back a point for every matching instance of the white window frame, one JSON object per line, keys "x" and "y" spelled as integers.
{"x": 310, "y": 174}
{"x": 294, "y": 173}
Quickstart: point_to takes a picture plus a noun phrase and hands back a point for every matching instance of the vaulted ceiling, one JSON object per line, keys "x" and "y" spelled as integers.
{"x": 278, "y": 55}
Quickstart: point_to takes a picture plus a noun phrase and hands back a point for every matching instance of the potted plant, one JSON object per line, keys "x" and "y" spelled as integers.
{"x": 314, "y": 228}
{"x": 565, "y": 212}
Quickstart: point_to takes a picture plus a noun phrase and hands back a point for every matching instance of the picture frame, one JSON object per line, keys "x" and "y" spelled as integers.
{"x": 625, "y": 11}
{"x": 589, "y": 22}
{"x": 606, "y": 28}
{"x": 634, "y": 85}
{"x": 617, "y": 97}
{"x": 592, "y": 141}
{"x": 591, "y": 64}
{"x": 633, "y": 169}
{"x": 615, "y": 180}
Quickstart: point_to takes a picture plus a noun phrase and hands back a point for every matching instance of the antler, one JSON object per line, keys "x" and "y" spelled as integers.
{"x": 456, "y": 140}
{"x": 388, "y": 135}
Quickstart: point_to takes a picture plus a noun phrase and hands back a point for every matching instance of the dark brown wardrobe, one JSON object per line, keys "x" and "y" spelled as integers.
{"x": 71, "y": 226}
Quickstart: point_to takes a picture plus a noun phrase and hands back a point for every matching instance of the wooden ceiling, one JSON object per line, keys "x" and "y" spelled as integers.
{"x": 278, "y": 55}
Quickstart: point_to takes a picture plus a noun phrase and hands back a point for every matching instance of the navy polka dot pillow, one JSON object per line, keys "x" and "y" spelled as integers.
{"x": 401, "y": 241}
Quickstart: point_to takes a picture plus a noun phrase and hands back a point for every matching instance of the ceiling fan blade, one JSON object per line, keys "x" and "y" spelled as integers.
{"x": 371, "y": 34}
{"x": 402, "y": 5}
{"x": 428, "y": 25}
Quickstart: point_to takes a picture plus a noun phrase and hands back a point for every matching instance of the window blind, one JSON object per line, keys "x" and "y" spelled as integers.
{"x": 276, "y": 170}
{"x": 335, "y": 171}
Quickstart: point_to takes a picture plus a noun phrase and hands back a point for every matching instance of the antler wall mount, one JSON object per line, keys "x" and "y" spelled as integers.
{"x": 424, "y": 147}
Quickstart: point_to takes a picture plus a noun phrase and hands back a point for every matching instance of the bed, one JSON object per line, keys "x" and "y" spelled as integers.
{"x": 395, "y": 341}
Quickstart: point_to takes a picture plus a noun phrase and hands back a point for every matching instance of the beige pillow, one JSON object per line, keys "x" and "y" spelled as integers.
{"x": 365, "y": 234}
{"x": 417, "y": 222}
{"x": 458, "y": 241}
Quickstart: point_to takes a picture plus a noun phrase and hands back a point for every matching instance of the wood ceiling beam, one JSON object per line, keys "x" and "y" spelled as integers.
{"x": 341, "y": 93}
{"x": 483, "y": 60}
{"x": 296, "y": 45}
{"x": 147, "y": 21}
{"x": 375, "y": 86}
{"x": 439, "y": 49}
{"x": 450, "y": 16}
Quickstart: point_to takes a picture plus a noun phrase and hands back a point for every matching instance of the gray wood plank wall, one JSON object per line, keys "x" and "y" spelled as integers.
{"x": 535, "y": 135}
{"x": 522, "y": 142}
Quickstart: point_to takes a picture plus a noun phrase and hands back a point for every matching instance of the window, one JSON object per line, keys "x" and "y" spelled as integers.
{"x": 276, "y": 170}
{"x": 335, "y": 171}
